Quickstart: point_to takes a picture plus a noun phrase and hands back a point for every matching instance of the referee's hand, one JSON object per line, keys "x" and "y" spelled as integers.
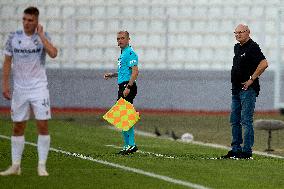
{"x": 126, "y": 92}
{"x": 108, "y": 75}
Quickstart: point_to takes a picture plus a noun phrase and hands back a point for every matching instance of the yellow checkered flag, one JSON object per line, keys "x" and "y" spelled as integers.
{"x": 122, "y": 115}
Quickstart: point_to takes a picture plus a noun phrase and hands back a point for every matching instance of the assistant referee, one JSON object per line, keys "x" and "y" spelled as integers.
{"x": 127, "y": 66}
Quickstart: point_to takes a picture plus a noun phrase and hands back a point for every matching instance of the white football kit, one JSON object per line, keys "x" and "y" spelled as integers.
{"x": 29, "y": 76}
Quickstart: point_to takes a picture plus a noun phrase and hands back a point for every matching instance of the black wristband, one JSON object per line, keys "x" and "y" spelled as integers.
{"x": 128, "y": 86}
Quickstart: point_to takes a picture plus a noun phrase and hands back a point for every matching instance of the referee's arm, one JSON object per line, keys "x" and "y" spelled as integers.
{"x": 134, "y": 75}
{"x": 110, "y": 75}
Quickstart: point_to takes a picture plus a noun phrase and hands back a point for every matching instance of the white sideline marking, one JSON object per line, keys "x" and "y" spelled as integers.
{"x": 147, "y": 134}
{"x": 144, "y": 152}
{"x": 228, "y": 148}
{"x": 138, "y": 171}
{"x": 142, "y": 133}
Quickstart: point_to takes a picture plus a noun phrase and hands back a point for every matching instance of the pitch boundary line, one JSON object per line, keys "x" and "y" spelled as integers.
{"x": 212, "y": 145}
{"x": 130, "y": 169}
{"x": 145, "y": 152}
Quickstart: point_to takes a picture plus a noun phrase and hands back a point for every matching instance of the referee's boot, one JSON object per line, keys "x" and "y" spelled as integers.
{"x": 123, "y": 150}
{"x": 131, "y": 149}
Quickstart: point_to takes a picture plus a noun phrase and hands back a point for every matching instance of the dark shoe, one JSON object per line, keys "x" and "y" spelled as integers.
{"x": 122, "y": 151}
{"x": 231, "y": 154}
{"x": 131, "y": 149}
{"x": 246, "y": 155}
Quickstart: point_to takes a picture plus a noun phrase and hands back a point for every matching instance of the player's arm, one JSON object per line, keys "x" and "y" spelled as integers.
{"x": 49, "y": 48}
{"x": 6, "y": 71}
{"x": 110, "y": 75}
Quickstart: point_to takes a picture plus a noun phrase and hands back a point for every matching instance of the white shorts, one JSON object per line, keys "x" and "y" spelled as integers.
{"x": 35, "y": 100}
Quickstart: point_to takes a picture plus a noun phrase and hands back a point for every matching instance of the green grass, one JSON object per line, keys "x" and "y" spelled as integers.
{"x": 211, "y": 129}
{"x": 88, "y": 135}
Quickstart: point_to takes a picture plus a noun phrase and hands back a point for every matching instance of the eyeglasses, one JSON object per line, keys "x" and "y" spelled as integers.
{"x": 239, "y": 32}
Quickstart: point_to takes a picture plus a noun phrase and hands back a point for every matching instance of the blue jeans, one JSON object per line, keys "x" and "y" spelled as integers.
{"x": 242, "y": 111}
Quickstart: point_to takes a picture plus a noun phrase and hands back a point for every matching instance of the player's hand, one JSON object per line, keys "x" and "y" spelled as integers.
{"x": 247, "y": 84}
{"x": 126, "y": 92}
{"x": 108, "y": 75}
{"x": 39, "y": 30}
{"x": 6, "y": 93}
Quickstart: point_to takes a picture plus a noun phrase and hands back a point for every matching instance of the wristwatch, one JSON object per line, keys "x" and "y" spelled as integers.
{"x": 128, "y": 86}
{"x": 250, "y": 78}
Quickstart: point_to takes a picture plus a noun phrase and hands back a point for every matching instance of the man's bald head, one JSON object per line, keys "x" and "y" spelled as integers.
{"x": 242, "y": 27}
{"x": 242, "y": 33}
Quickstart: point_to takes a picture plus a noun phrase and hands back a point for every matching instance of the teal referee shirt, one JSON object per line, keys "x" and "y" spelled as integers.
{"x": 126, "y": 61}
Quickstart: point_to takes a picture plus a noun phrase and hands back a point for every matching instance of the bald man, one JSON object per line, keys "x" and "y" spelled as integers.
{"x": 127, "y": 66}
{"x": 248, "y": 64}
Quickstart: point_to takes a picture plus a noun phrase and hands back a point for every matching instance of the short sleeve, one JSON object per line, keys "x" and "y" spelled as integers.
{"x": 257, "y": 54}
{"x": 133, "y": 59}
{"x": 8, "y": 46}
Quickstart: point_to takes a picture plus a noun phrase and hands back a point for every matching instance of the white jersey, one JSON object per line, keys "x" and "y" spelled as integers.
{"x": 28, "y": 60}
